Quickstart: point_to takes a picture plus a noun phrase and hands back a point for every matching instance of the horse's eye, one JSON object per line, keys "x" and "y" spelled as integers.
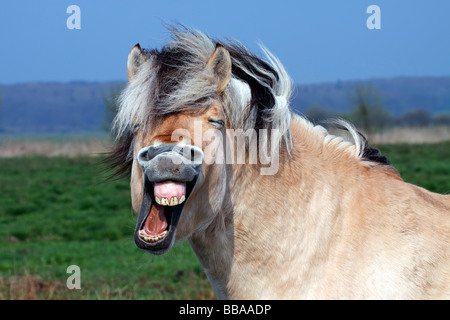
{"x": 135, "y": 128}
{"x": 217, "y": 123}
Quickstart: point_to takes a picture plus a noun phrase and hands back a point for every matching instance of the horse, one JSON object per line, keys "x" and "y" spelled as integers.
{"x": 274, "y": 206}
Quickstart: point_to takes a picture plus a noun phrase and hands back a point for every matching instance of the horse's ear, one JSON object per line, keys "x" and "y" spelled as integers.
{"x": 136, "y": 58}
{"x": 220, "y": 64}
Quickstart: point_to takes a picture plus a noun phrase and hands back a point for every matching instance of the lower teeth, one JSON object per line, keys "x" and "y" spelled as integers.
{"x": 148, "y": 238}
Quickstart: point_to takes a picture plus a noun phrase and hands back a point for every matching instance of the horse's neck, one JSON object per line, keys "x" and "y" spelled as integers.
{"x": 271, "y": 223}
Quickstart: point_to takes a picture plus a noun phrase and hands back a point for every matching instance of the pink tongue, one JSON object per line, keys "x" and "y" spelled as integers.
{"x": 169, "y": 189}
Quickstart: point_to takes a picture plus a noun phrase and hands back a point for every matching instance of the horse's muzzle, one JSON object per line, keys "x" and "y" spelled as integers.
{"x": 171, "y": 173}
{"x": 173, "y": 162}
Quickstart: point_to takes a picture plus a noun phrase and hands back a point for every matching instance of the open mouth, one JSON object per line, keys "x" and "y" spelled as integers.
{"x": 161, "y": 209}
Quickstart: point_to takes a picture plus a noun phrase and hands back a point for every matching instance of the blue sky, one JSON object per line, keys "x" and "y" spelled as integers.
{"x": 317, "y": 41}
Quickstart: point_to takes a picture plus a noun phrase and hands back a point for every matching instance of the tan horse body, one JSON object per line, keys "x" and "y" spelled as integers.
{"x": 330, "y": 223}
{"x": 334, "y": 228}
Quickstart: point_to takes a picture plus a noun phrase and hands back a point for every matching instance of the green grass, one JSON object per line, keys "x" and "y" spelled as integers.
{"x": 426, "y": 165}
{"x": 55, "y": 212}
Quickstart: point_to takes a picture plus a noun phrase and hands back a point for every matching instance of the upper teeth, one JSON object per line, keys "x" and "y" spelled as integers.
{"x": 173, "y": 201}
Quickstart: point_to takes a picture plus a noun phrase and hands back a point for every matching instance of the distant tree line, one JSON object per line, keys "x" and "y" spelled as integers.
{"x": 368, "y": 113}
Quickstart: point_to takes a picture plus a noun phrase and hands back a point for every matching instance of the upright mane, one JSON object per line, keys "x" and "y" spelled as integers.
{"x": 174, "y": 79}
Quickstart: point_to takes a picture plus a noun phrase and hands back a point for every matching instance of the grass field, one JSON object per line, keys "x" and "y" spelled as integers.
{"x": 56, "y": 212}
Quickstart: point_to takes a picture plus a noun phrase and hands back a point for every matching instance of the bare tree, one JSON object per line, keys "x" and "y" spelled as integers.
{"x": 367, "y": 111}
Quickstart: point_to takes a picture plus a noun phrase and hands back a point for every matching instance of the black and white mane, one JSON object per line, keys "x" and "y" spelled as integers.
{"x": 174, "y": 80}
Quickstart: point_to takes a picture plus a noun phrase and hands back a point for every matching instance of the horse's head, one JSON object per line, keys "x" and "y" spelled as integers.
{"x": 176, "y": 113}
{"x": 169, "y": 164}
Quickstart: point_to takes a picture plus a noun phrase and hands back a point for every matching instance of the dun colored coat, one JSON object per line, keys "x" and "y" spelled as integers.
{"x": 322, "y": 218}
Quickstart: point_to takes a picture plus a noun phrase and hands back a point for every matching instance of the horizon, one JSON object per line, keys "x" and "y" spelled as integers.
{"x": 124, "y": 81}
{"x": 320, "y": 42}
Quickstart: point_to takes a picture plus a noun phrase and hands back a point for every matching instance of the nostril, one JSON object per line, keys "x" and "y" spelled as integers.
{"x": 143, "y": 156}
{"x": 196, "y": 155}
